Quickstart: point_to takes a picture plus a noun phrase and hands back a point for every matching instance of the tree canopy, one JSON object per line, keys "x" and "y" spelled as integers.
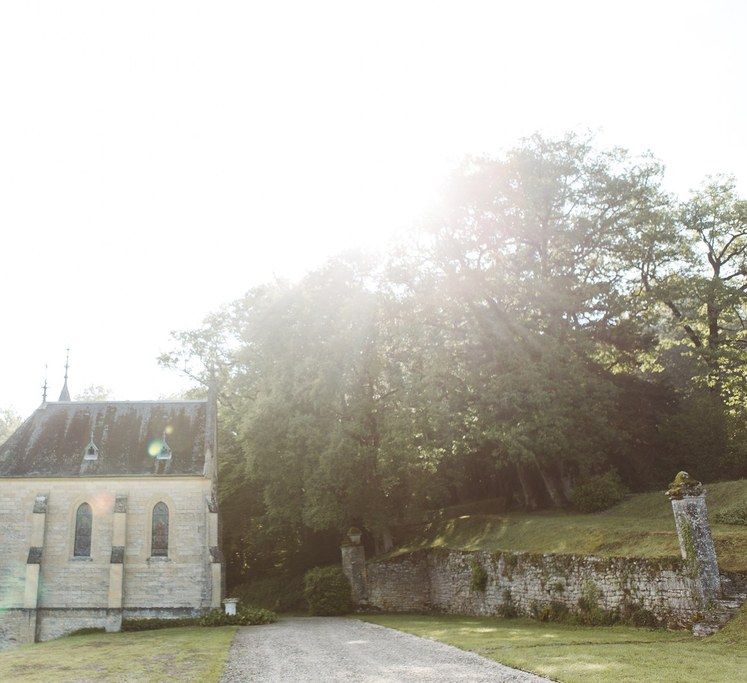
{"x": 557, "y": 317}
{"x": 9, "y": 422}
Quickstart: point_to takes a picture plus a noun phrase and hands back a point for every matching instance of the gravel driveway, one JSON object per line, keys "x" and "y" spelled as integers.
{"x": 338, "y": 649}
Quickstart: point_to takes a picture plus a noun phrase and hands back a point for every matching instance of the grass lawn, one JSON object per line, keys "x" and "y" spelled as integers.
{"x": 183, "y": 654}
{"x": 641, "y": 526}
{"x": 585, "y": 653}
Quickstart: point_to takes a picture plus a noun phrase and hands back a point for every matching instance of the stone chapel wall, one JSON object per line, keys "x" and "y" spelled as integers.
{"x": 97, "y": 591}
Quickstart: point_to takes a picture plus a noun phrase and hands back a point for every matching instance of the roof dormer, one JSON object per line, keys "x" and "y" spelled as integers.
{"x": 91, "y": 451}
{"x": 164, "y": 452}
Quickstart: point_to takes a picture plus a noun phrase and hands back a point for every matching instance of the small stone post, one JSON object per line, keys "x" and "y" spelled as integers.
{"x": 229, "y": 605}
{"x": 354, "y": 566}
{"x": 694, "y": 532}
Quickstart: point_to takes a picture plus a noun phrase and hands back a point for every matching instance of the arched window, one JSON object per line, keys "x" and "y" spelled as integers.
{"x": 159, "y": 546}
{"x": 83, "y": 525}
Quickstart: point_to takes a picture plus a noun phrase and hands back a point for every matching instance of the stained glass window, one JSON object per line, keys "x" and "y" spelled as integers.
{"x": 83, "y": 525}
{"x": 160, "y": 537}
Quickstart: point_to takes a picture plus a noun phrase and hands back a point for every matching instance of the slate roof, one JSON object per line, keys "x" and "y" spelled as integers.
{"x": 51, "y": 442}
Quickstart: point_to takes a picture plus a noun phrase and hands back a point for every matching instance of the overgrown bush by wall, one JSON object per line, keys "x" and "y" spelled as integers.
{"x": 153, "y": 624}
{"x": 279, "y": 593}
{"x": 327, "y": 591}
{"x": 245, "y": 616}
{"x": 479, "y": 576}
{"x": 599, "y": 492}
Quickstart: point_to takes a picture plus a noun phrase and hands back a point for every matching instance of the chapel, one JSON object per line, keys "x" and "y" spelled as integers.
{"x": 108, "y": 510}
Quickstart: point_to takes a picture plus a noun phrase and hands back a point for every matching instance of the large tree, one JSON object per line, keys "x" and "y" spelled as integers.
{"x": 698, "y": 278}
{"x": 556, "y": 317}
{"x": 525, "y": 268}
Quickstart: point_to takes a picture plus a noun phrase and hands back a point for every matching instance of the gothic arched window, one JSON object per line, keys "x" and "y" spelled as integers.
{"x": 159, "y": 546}
{"x": 83, "y": 525}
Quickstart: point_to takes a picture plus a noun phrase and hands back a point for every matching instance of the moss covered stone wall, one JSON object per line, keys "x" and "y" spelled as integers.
{"x": 531, "y": 584}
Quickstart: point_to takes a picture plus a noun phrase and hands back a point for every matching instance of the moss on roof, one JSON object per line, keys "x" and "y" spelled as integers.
{"x": 50, "y": 443}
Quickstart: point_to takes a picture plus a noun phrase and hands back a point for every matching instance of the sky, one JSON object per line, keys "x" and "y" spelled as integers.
{"x": 158, "y": 159}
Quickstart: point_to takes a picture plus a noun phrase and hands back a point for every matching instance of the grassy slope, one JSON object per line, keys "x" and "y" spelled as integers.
{"x": 641, "y": 526}
{"x": 185, "y": 654}
{"x": 582, "y": 653}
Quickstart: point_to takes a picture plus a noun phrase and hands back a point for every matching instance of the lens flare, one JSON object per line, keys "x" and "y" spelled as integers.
{"x": 12, "y": 586}
{"x": 155, "y": 447}
{"x": 102, "y": 502}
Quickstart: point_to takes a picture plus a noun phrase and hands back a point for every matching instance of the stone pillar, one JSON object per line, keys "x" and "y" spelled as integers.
{"x": 354, "y": 566}
{"x": 694, "y": 533}
{"x": 33, "y": 563}
{"x": 216, "y": 557}
{"x": 116, "y": 562}
{"x": 31, "y": 587}
{"x": 216, "y": 563}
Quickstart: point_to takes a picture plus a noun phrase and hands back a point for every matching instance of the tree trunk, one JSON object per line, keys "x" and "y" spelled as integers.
{"x": 387, "y": 541}
{"x": 525, "y": 479}
{"x": 566, "y": 480}
{"x": 713, "y": 313}
{"x": 551, "y": 480}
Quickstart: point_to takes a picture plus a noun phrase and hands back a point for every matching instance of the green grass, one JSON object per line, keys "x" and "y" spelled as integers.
{"x": 184, "y": 654}
{"x": 584, "y": 653}
{"x": 640, "y": 526}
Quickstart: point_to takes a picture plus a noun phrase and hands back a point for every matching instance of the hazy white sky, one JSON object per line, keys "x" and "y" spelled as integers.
{"x": 157, "y": 159}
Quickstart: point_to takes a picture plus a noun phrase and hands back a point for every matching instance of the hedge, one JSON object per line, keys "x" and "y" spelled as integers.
{"x": 245, "y": 616}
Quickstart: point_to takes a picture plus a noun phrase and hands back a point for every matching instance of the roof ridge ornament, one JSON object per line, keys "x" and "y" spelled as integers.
{"x": 44, "y": 386}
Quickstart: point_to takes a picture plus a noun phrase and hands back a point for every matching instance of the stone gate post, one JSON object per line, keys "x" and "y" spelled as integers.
{"x": 694, "y": 533}
{"x": 354, "y": 566}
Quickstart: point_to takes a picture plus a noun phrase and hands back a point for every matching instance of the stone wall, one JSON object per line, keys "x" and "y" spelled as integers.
{"x": 17, "y": 626}
{"x": 53, "y": 623}
{"x": 401, "y": 585}
{"x": 525, "y": 583}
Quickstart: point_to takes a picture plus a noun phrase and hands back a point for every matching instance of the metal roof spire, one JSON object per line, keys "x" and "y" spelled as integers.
{"x": 65, "y": 393}
{"x": 44, "y": 386}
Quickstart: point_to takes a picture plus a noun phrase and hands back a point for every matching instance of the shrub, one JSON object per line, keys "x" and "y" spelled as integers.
{"x": 507, "y": 608}
{"x": 553, "y": 611}
{"x": 153, "y": 624}
{"x": 479, "y": 576}
{"x": 327, "y": 591}
{"x": 590, "y": 613}
{"x": 509, "y": 563}
{"x": 283, "y": 593}
{"x": 599, "y": 492}
{"x": 245, "y": 616}
{"x": 590, "y": 595}
{"x": 732, "y": 515}
{"x": 595, "y": 616}
{"x": 638, "y": 616}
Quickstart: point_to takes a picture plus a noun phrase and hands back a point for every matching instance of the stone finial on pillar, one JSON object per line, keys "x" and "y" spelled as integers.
{"x": 694, "y": 533}
{"x": 354, "y": 566}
